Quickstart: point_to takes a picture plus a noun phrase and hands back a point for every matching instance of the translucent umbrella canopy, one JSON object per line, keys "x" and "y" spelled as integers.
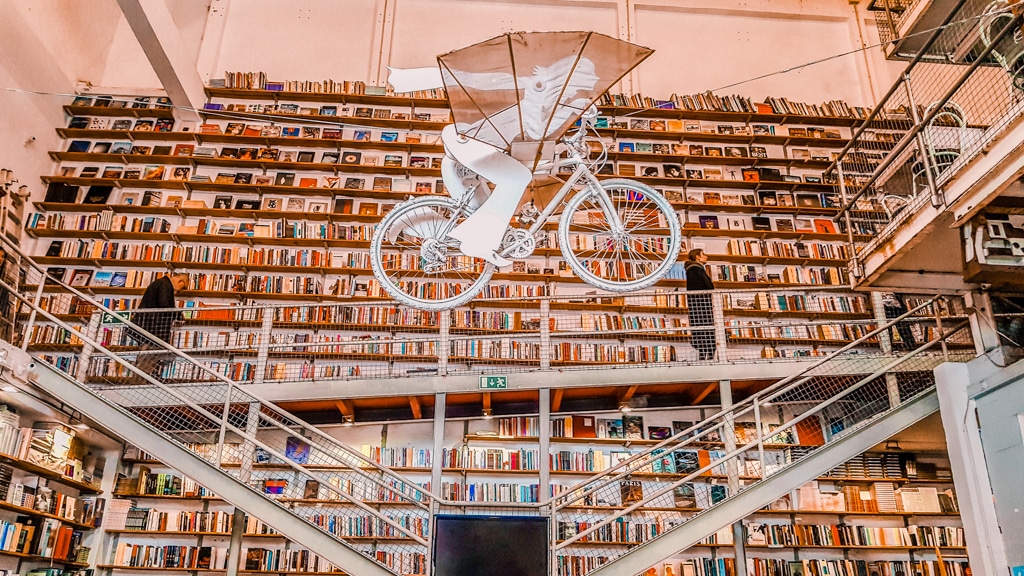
{"x": 532, "y": 86}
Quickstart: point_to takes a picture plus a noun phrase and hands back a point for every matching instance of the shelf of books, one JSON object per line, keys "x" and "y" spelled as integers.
{"x": 298, "y": 162}
{"x": 273, "y": 196}
{"x": 164, "y": 521}
{"x": 49, "y": 496}
{"x": 893, "y": 511}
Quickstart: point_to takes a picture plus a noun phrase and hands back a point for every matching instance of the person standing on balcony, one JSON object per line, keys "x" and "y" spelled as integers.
{"x": 895, "y": 307}
{"x": 159, "y": 296}
{"x": 700, "y": 305}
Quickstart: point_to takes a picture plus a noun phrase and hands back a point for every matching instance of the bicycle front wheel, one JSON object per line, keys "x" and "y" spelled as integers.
{"x": 622, "y": 258}
{"x": 418, "y": 264}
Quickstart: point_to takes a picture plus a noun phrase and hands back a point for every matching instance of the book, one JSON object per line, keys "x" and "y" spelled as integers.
{"x": 343, "y": 205}
{"x": 631, "y": 491}
{"x": 297, "y": 450}
{"x": 658, "y": 432}
{"x": 274, "y": 486}
{"x": 80, "y": 277}
{"x": 687, "y": 461}
{"x": 97, "y": 195}
{"x": 311, "y": 491}
{"x": 823, "y": 226}
{"x": 633, "y": 426}
{"x": 61, "y": 192}
{"x": 153, "y": 172}
{"x": 683, "y": 496}
{"x": 708, "y": 221}
{"x": 663, "y": 463}
{"x": 102, "y": 278}
{"x": 610, "y": 428}
{"x": 79, "y": 146}
{"x": 584, "y": 427}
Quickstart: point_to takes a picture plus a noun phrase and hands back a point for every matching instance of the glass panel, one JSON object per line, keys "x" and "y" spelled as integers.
{"x": 532, "y": 86}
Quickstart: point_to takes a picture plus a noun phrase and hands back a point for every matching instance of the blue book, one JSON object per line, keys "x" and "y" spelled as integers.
{"x": 296, "y": 450}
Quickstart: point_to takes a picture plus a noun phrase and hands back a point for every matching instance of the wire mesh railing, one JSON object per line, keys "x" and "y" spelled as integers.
{"x": 648, "y": 494}
{"x": 325, "y": 342}
{"x": 890, "y": 15}
{"x": 932, "y": 122}
{"x": 301, "y": 467}
{"x": 292, "y": 463}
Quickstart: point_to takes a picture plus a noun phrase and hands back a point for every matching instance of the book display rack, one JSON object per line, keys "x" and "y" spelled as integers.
{"x": 49, "y": 499}
{"x": 273, "y": 197}
{"x": 892, "y": 512}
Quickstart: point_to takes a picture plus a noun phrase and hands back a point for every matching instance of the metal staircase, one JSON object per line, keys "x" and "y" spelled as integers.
{"x": 216, "y": 432}
{"x": 824, "y": 418}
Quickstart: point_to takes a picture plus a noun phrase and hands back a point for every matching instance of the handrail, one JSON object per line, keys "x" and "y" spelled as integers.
{"x": 225, "y": 423}
{"x": 780, "y": 387}
{"x": 595, "y": 483}
{"x": 879, "y": 108}
{"x": 230, "y": 384}
{"x": 909, "y": 137}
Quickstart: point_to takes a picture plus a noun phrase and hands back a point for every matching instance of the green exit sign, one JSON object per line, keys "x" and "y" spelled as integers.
{"x": 493, "y": 382}
{"x": 117, "y": 318}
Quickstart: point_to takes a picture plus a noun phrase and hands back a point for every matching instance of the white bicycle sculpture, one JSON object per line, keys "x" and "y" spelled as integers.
{"x": 439, "y": 252}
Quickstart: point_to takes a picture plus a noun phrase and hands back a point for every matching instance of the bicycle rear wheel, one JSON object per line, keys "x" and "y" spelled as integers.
{"x": 631, "y": 258}
{"x": 418, "y": 264}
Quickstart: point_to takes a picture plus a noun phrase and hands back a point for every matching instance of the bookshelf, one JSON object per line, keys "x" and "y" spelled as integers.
{"x": 887, "y": 510}
{"x": 50, "y": 500}
{"x": 311, "y": 173}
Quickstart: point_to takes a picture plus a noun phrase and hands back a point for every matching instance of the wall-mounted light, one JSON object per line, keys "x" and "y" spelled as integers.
{"x": 349, "y": 421}
{"x": 625, "y": 408}
{"x": 893, "y": 445}
{"x": 488, "y": 413}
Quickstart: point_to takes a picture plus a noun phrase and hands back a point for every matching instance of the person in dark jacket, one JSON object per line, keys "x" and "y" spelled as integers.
{"x": 895, "y": 306}
{"x": 158, "y": 295}
{"x": 700, "y": 306}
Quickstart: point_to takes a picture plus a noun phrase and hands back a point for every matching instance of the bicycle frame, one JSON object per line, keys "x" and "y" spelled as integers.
{"x": 581, "y": 172}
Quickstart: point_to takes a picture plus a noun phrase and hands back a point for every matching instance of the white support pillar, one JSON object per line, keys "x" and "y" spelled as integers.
{"x": 885, "y": 343}
{"x": 440, "y": 407}
{"x": 160, "y": 39}
{"x": 983, "y": 323}
{"x": 213, "y": 37}
{"x": 985, "y": 547}
{"x": 544, "y": 443}
{"x": 733, "y": 473}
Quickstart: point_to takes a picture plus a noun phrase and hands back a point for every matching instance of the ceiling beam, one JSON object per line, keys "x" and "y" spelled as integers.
{"x": 345, "y": 407}
{"x": 625, "y": 396}
{"x": 708, "y": 389}
{"x": 556, "y": 399}
{"x": 174, "y": 65}
{"x": 417, "y": 408}
{"x": 487, "y": 400}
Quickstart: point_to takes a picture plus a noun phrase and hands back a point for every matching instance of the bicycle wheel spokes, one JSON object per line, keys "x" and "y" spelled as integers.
{"x": 627, "y": 252}
{"x": 417, "y": 263}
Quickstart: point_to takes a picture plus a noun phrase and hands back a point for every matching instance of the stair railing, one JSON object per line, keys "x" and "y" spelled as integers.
{"x": 839, "y": 403}
{"x": 208, "y": 417}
